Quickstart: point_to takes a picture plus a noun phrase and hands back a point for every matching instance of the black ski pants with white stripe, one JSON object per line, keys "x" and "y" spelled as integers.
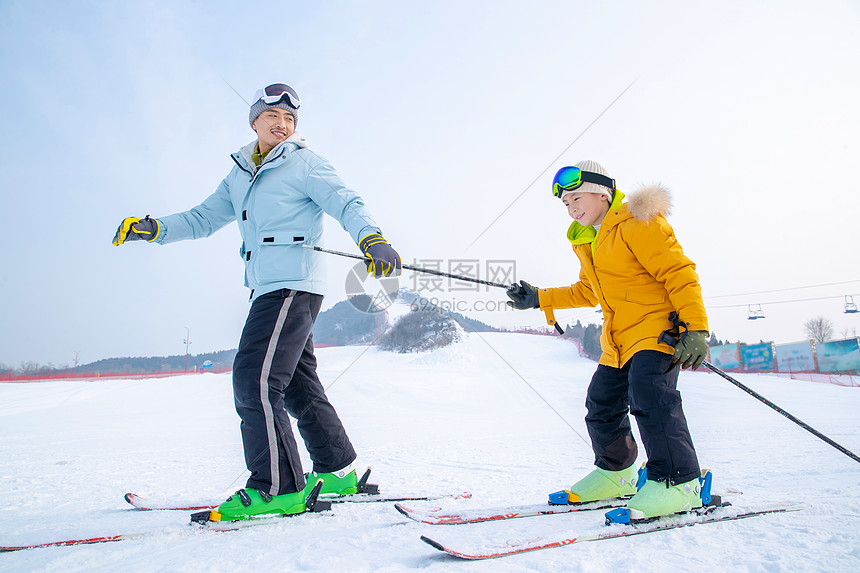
{"x": 274, "y": 377}
{"x": 646, "y": 386}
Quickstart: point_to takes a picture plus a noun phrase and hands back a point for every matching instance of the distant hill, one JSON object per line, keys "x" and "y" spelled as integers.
{"x": 354, "y": 321}
{"x": 469, "y": 324}
{"x": 344, "y": 324}
{"x": 421, "y": 330}
{"x": 149, "y": 365}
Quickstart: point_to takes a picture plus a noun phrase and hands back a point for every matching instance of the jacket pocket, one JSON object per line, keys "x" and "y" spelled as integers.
{"x": 645, "y": 297}
{"x": 280, "y": 256}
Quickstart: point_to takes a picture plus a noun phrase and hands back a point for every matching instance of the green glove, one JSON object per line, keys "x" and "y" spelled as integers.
{"x": 692, "y": 348}
{"x": 523, "y": 296}
{"x": 384, "y": 260}
{"x": 134, "y": 229}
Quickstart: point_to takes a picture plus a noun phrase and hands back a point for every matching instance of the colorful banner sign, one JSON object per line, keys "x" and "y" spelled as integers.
{"x": 726, "y": 356}
{"x": 838, "y": 355}
{"x": 758, "y": 357}
{"x": 797, "y": 357}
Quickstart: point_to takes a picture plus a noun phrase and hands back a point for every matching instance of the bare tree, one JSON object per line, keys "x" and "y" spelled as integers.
{"x": 818, "y": 329}
{"x": 30, "y": 368}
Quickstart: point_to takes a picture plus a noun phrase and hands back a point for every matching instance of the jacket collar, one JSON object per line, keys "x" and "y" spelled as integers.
{"x": 283, "y": 149}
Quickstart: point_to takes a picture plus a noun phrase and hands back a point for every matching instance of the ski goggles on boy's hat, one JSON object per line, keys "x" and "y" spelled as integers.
{"x": 276, "y": 93}
{"x": 572, "y": 178}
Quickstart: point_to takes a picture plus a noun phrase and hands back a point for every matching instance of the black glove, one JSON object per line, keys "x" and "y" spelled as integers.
{"x": 692, "y": 348}
{"x": 523, "y": 296}
{"x": 384, "y": 260}
{"x": 134, "y": 229}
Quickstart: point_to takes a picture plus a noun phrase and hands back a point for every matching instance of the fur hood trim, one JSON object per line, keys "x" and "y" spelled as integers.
{"x": 649, "y": 201}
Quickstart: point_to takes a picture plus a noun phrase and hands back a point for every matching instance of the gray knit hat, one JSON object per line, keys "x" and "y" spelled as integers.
{"x": 289, "y": 100}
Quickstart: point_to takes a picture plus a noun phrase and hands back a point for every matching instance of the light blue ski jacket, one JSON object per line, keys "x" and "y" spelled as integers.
{"x": 279, "y": 207}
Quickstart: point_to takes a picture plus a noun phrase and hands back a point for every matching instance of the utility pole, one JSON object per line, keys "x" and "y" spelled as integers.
{"x": 187, "y": 341}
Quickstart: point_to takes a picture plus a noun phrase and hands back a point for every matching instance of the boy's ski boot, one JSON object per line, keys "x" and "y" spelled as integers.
{"x": 601, "y": 484}
{"x": 250, "y": 503}
{"x": 657, "y": 499}
{"x": 342, "y": 482}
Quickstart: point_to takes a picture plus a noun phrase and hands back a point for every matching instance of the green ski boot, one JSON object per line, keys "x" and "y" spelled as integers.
{"x": 343, "y": 482}
{"x": 599, "y": 484}
{"x": 249, "y": 502}
{"x": 662, "y": 498}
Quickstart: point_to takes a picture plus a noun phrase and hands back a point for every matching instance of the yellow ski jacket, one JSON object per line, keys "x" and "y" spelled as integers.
{"x": 634, "y": 268}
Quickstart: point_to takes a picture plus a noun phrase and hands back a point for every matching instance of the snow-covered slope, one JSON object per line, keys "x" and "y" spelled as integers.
{"x": 474, "y": 416}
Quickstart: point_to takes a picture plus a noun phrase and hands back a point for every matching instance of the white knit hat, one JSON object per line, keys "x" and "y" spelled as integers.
{"x": 594, "y": 167}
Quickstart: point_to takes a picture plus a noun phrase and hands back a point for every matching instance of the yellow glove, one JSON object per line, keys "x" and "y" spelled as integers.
{"x": 134, "y": 229}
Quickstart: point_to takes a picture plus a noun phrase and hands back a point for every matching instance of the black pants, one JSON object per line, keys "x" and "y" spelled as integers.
{"x": 274, "y": 374}
{"x": 646, "y": 386}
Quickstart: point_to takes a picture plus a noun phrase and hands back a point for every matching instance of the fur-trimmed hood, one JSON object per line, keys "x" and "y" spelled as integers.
{"x": 644, "y": 204}
{"x": 649, "y": 201}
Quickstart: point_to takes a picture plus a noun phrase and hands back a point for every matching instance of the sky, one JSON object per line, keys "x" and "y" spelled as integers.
{"x": 450, "y": 119}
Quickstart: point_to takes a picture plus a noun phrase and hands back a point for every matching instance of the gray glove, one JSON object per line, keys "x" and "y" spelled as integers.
{"x": 134, "y": 229}
{"x": 523, "y": 296}
{"x": 384, "y": 260}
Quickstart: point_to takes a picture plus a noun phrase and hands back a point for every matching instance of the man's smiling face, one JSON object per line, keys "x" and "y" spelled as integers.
{"x": 273, "y": 126}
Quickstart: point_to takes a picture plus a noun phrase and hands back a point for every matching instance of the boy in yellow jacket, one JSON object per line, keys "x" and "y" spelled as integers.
{"x": 634, "y": 268}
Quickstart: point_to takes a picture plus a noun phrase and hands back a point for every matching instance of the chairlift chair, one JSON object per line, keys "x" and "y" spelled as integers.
{"x": 850, "y": 306}
{"x": 755, "y": 312}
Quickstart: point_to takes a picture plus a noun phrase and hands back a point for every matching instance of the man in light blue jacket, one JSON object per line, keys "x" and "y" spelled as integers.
{"x": 278, "y": 192}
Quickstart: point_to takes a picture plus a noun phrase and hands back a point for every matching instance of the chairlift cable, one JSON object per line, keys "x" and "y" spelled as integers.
{"x": 781, "y": 289}
{"x": 781, "y": 301}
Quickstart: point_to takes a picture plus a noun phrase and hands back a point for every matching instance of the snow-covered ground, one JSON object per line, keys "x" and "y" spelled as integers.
{"x": 467, "y": 417}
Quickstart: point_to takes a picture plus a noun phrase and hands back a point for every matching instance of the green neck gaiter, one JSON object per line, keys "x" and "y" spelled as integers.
{"x": 257, "y": 156}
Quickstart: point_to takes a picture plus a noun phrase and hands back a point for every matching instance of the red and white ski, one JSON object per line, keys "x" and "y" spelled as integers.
{"x": 85, "y": 541}
{"x": 201, "y": 520}
{"x": 516, "y": 546}
{"x": 367, "y": 493}
{"x": 437, "y": 516}
{"x": 145, "y": 504}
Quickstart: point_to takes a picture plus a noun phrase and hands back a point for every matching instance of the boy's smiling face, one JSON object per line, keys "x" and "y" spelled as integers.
{"x": 586, "y": 208}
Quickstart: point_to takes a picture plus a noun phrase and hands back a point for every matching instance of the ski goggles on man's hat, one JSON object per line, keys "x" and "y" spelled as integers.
{"x": 276, "y": 93}
{"x": 572, "y": 178}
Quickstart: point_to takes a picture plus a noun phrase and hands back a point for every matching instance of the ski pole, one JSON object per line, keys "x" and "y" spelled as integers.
{"x": 412, "y": 268}
{"x": 671, "y": 336}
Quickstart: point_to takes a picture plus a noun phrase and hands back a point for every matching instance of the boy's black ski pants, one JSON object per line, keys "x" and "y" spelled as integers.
{"x": 646, "y": 386}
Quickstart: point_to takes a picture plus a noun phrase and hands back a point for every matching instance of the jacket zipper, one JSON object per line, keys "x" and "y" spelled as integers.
{"x": 603, "y": 296}
{"x": 247, "y": 208}
{"x": 239, "y": 165}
